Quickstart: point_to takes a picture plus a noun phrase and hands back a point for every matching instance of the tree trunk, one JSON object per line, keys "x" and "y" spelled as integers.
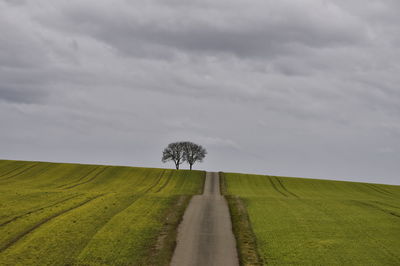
{"x": 191, "y": 167}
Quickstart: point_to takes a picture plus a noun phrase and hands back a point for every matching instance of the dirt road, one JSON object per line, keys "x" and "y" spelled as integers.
{"x": 205, "y": 235}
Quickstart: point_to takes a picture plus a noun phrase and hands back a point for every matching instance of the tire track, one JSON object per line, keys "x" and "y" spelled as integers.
{"x": 166, "y": 183}
{"x": 37, "y": 225}
{"x": 372, "y": 206}
{"x": 379, "y": 190}
{"x": 386, "y": 204}
{"x": 80, "y": 178}
{"x": 10, "y": 171}
{"x": 37, "y": 210}
{"x": 284, "y": 188}
{"x": 41, "y": 171}
{"x": 136, "y": 197}
{"x": 274, "y": 186}
{"x": 44, "y": 221}
{"x": 89, "y": 180}
{"x": 21, "y": 172}
{"x": 154, "y": 184}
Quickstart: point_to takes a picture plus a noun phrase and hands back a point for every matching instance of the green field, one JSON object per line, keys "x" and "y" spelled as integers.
{"x": 298, "y": 221}
{"x": 72, "y": 214}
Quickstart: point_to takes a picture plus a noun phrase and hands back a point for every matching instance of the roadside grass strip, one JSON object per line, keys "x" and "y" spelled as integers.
{"x": 245, "y": 239}
{"x": 298, "y": 221}
{"x": 73, "y": 214}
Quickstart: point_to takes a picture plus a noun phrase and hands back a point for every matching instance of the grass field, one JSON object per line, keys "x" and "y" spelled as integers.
{"x": 71, "y": 214}
{"x": 299, "y": 221}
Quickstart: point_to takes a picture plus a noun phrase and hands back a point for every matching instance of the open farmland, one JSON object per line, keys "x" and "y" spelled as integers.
{"x": 299, "y": 221}
{"x": 72, "y": 214}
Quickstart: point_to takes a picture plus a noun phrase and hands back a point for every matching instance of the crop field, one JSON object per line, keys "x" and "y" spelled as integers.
{"x": 297, "y": 221}
{"x": 73, "y": 214}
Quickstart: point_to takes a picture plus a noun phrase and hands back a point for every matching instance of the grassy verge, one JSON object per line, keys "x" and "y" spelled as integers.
{"x": 245, "y": 238}
{"x": 162, "y": 251}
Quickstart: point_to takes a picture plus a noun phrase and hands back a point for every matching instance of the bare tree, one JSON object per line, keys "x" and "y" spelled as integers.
{"x": 174, "y": 152}
{"x": 193, "y": 153}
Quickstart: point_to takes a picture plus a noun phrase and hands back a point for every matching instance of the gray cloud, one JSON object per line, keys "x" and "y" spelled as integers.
{"x": 306, "y": 88}
{"x": 20, "y": 95}
{"x": 259, "y": 29}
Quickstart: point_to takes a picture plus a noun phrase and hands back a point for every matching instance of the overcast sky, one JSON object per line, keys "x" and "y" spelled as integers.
{"x": 306, "y": 88}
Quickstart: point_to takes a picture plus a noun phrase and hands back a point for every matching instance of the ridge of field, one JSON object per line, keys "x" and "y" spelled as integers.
{"x": 298, "y": 221}
{"x": 76, "y": 214}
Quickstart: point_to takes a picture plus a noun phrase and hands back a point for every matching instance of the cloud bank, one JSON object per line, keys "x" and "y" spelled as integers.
{"x": 306, "y": 88}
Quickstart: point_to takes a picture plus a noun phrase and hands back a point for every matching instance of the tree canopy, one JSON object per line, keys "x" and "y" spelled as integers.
{"x": 174, "y": 152}
{"x": 184, "y": 151}
{"x": 193, "y": 152}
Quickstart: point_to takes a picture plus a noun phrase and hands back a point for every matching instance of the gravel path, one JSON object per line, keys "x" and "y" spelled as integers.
{"x": 205, "y": 235}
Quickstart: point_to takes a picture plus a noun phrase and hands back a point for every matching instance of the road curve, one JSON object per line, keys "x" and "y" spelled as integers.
{"x": 205, "y": 235}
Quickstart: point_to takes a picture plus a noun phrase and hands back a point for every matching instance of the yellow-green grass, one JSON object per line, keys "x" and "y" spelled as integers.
{"x": 298, "y": 221}
{"x": 74, "y": 214}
